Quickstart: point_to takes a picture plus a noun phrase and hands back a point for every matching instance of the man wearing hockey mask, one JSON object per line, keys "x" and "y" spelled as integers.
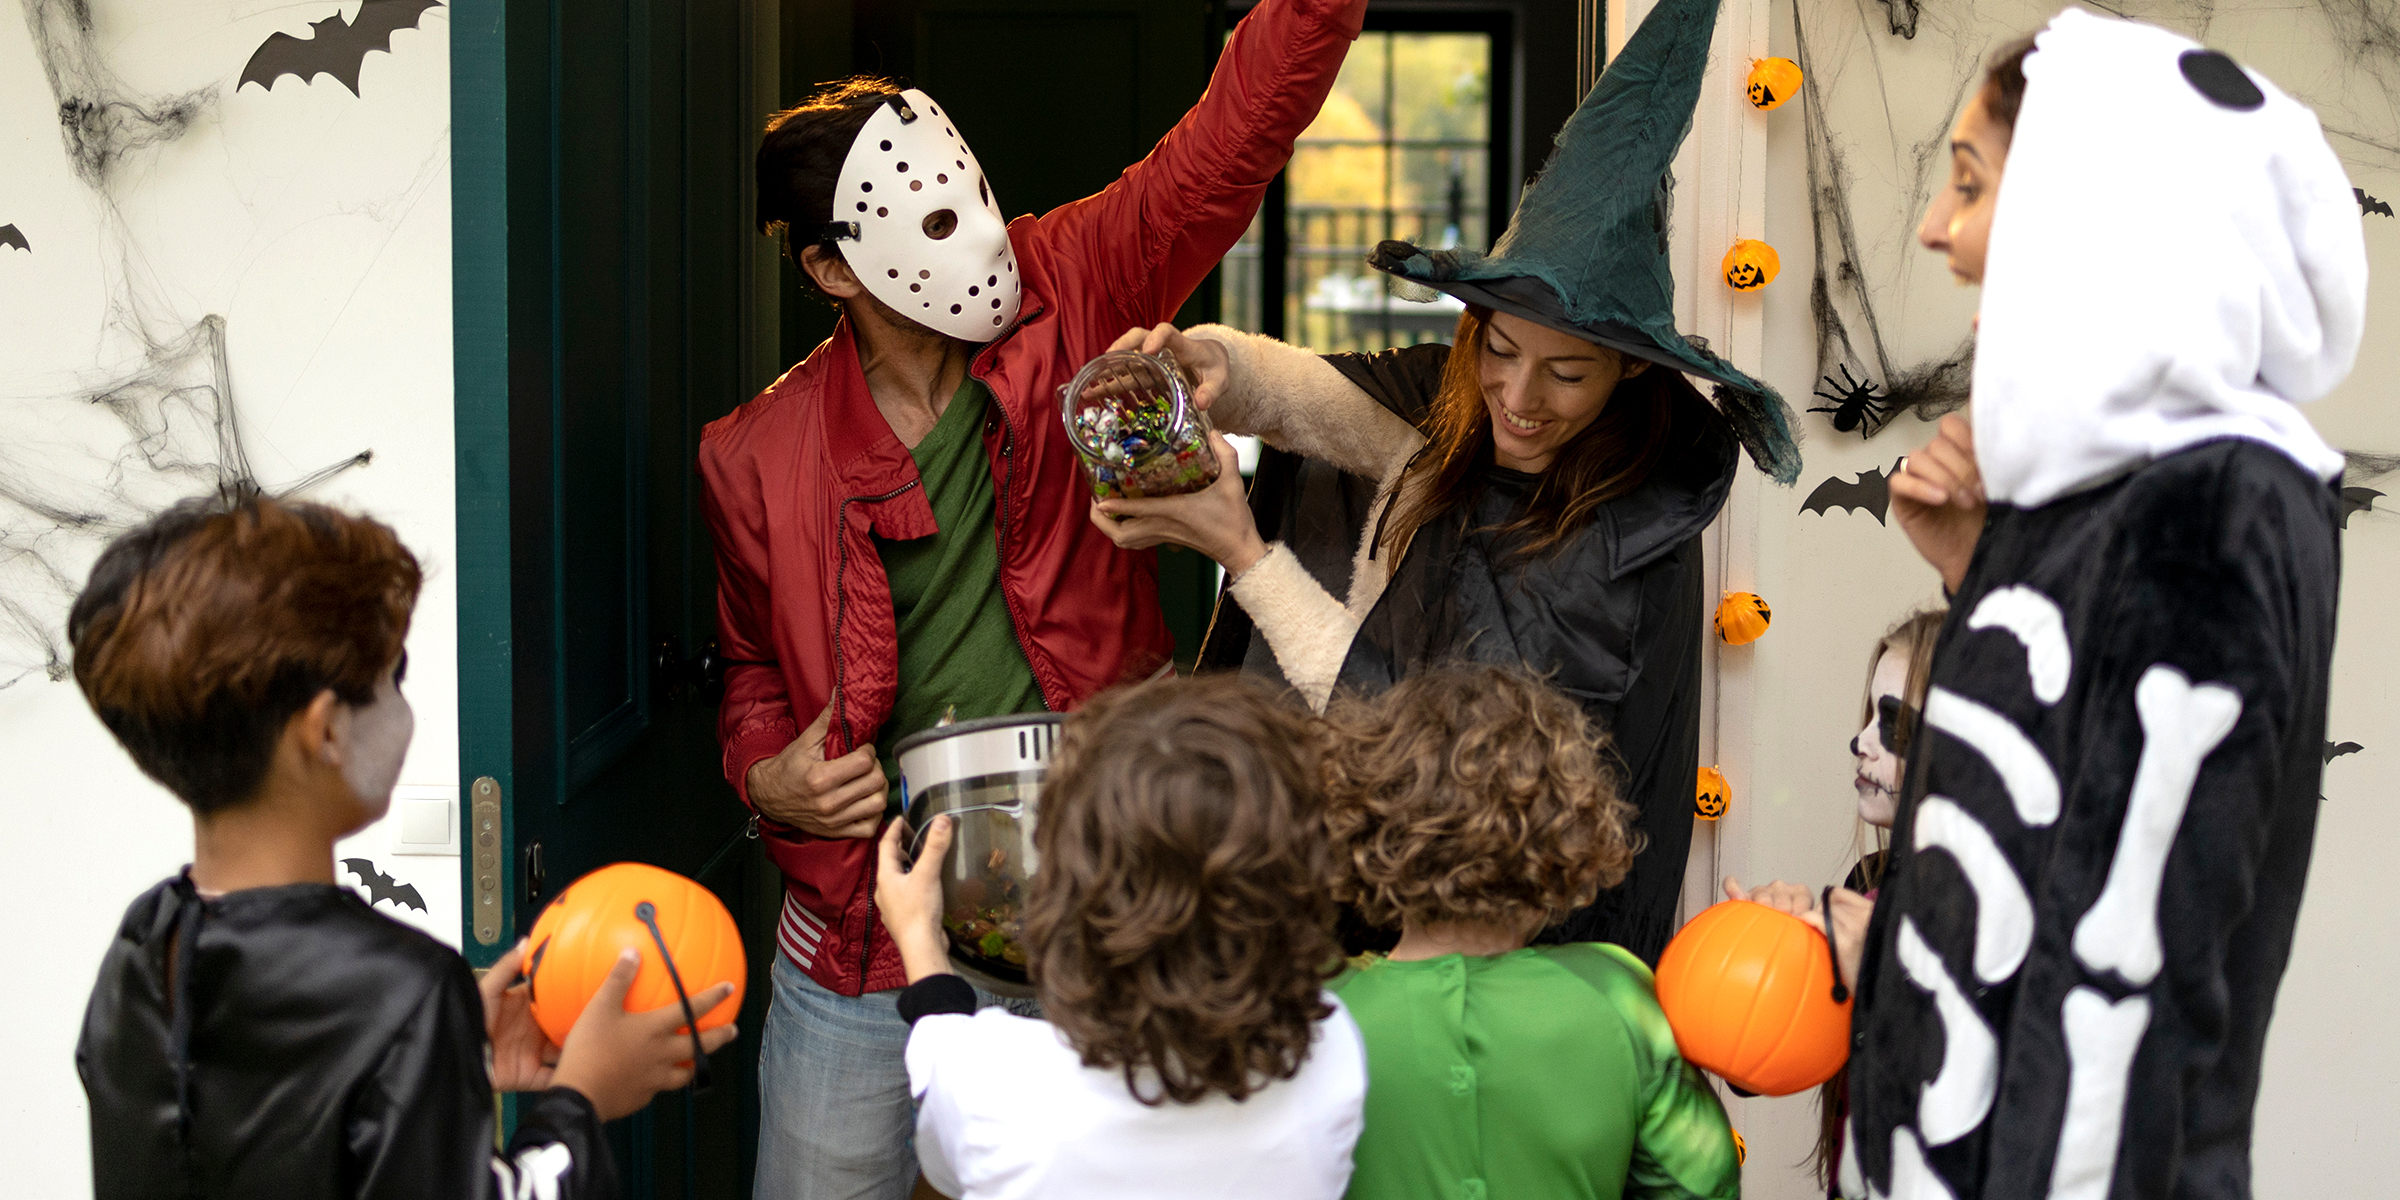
{"x": 900, "y": 521}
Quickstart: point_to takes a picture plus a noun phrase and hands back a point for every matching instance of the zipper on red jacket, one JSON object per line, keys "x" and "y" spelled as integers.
{"x": 841, "y": 602}
{"x": 841, "y": 598}
{"x": 1008, "y": 488}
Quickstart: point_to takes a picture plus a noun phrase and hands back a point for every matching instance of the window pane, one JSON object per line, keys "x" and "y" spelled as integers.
{"x": 1401, "y": 150}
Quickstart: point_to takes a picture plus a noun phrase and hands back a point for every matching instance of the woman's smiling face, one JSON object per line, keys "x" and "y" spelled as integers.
{"x": 1543, "y": 387}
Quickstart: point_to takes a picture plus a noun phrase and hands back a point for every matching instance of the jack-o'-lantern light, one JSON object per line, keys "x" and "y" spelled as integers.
{"x": 1750, "y": 265}
{"x": 1773, "y": 81}
{"x": 1713, "y": 796}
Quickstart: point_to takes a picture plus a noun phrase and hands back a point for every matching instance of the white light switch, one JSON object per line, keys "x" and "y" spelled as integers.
{"x": 425, "y": 819}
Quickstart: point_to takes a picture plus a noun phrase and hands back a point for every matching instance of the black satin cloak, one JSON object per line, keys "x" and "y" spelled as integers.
{"x": 290, "y": 1042}
{"x": 1613, "y": 618}
{"x": 2096, "y": 875}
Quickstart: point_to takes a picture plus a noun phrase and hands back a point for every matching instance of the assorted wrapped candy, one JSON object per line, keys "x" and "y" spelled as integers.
{"x": 1130, "y": 416}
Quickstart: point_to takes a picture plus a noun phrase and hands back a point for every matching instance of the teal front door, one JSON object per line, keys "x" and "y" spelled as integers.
{"x": 607, "y": 306}
{"x": 599, "y": 152}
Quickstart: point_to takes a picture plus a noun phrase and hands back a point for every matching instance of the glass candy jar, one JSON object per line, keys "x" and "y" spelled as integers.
{"x": 1130, "y": 416}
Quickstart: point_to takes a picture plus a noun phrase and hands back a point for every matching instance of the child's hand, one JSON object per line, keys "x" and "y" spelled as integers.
{"x": 618, "y": 1060}
{"x": 910, "y": 900}
{"x": 1851, "y": 912}
{"x": 521, "y": 1054}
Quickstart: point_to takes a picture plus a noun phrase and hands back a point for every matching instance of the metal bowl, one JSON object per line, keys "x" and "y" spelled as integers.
{"x": 986, "y": 776}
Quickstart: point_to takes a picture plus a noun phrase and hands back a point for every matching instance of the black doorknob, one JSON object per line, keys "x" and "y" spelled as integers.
{"x": 675, "y": 675}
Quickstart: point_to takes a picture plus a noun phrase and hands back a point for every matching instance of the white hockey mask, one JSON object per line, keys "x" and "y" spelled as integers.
{"x": 915, "y": 220}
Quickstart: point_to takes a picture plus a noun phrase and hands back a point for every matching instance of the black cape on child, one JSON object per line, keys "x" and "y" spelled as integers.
{"x": 289, "y": 1042}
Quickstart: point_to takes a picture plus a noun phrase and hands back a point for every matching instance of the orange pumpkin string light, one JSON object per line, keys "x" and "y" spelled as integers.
{"x": 1749, "y": 992}
{"x": 688, "y": 944}
{"x": 1750, "y": 265}
{"x": 1713, "y": 796}
{"x": 1742, "y": 618}
{"x": 1773, "y": 81}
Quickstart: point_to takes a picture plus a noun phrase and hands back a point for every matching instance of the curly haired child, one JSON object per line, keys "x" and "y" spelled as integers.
{"x": 1179, "y": 934}
{"x": 1469, "y": 807}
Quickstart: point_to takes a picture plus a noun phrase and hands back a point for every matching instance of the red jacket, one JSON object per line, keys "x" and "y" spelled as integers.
{"x": 801, "y": 480}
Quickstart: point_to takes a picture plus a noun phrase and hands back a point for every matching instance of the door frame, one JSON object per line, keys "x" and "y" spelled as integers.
{"x": 480, "y": 291}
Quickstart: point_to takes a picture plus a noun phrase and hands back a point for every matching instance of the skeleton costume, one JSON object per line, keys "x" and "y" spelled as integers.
{"x": 2070, "y": 971}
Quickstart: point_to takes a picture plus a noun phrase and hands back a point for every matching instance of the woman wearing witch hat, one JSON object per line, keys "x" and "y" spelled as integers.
{"x": 1531, "y": 496}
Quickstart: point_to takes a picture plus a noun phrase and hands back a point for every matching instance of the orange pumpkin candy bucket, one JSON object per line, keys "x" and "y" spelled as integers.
{"x": 688, "y": 944}
{"x": 1749, "y": 991}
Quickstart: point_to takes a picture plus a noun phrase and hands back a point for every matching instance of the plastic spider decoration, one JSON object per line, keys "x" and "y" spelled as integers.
{"x": 1857, "y": 405}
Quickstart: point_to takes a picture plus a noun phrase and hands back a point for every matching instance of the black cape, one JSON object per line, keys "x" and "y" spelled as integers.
{"x": 2095, "y": 877}
{"x": 290, "y": 1042}
{"x": 1613, "y": 618}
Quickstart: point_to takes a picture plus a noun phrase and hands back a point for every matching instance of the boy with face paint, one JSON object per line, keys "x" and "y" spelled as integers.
{"x": 256, "y": 1029}
{"x": 2105, "y": 829}
{"x": 900, "y": 520}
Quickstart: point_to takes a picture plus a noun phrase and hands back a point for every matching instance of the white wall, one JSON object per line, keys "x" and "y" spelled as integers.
{"x": 317, "y": 224}
{"x": 1788, "y": 704}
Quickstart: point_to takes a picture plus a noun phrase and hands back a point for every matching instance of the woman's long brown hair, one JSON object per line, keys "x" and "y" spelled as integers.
{"x": 1647, "y": 416}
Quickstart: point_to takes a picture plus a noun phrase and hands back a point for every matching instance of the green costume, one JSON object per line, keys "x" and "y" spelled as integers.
{"x": 959, "y": 653}
{"x": 1544, "y": 1072}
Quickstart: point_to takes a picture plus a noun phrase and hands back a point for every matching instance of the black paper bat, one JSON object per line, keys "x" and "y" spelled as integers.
{"x": 2334, "y": 750}
{"x": 9, "y": 236}
{"x": 2357, "y": 499}
{"x": 2368, "y": 204}
{"x": 334, "y": 46}
{"x": 1870, "y": 494}
{"x": 381, "y": 887}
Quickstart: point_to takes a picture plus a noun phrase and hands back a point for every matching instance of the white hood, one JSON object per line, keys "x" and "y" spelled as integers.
{"x": 2164, "y": 268}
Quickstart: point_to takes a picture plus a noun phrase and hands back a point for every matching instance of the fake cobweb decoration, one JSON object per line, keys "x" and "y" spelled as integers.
{"x": 1884, "y": 78}
{"x": 169, "y": 424}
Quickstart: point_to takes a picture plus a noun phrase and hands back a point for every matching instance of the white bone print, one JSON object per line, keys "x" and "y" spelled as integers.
{"x": 2038, "y": 624}
{"x": 1912, "y": 1177}
{"x": 2003, "y": 913}
{"x": 2101, "y": 1039}
{"x": 2181, "y": 724}
{"x": 2032, "y": 785}
{"x": 1852, "y": 1179}
{"x": 1960, "y": 1095}
{"x": 535, "y": 1173}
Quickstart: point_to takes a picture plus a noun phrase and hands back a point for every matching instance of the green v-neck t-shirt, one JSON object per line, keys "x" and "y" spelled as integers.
{"x": 958, "y": 649}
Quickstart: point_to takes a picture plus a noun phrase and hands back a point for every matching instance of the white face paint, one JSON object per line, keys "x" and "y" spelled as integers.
{"x": 374, "y": 741}
{"x": 929, "y": 239}
{"x": 1879, "y": 769}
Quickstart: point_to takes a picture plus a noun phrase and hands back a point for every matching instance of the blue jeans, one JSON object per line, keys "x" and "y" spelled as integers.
{"x": 836, "y": 1121}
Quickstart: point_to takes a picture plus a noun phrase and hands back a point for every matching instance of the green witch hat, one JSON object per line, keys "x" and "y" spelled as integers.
{"x": 1586, "y": 252}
